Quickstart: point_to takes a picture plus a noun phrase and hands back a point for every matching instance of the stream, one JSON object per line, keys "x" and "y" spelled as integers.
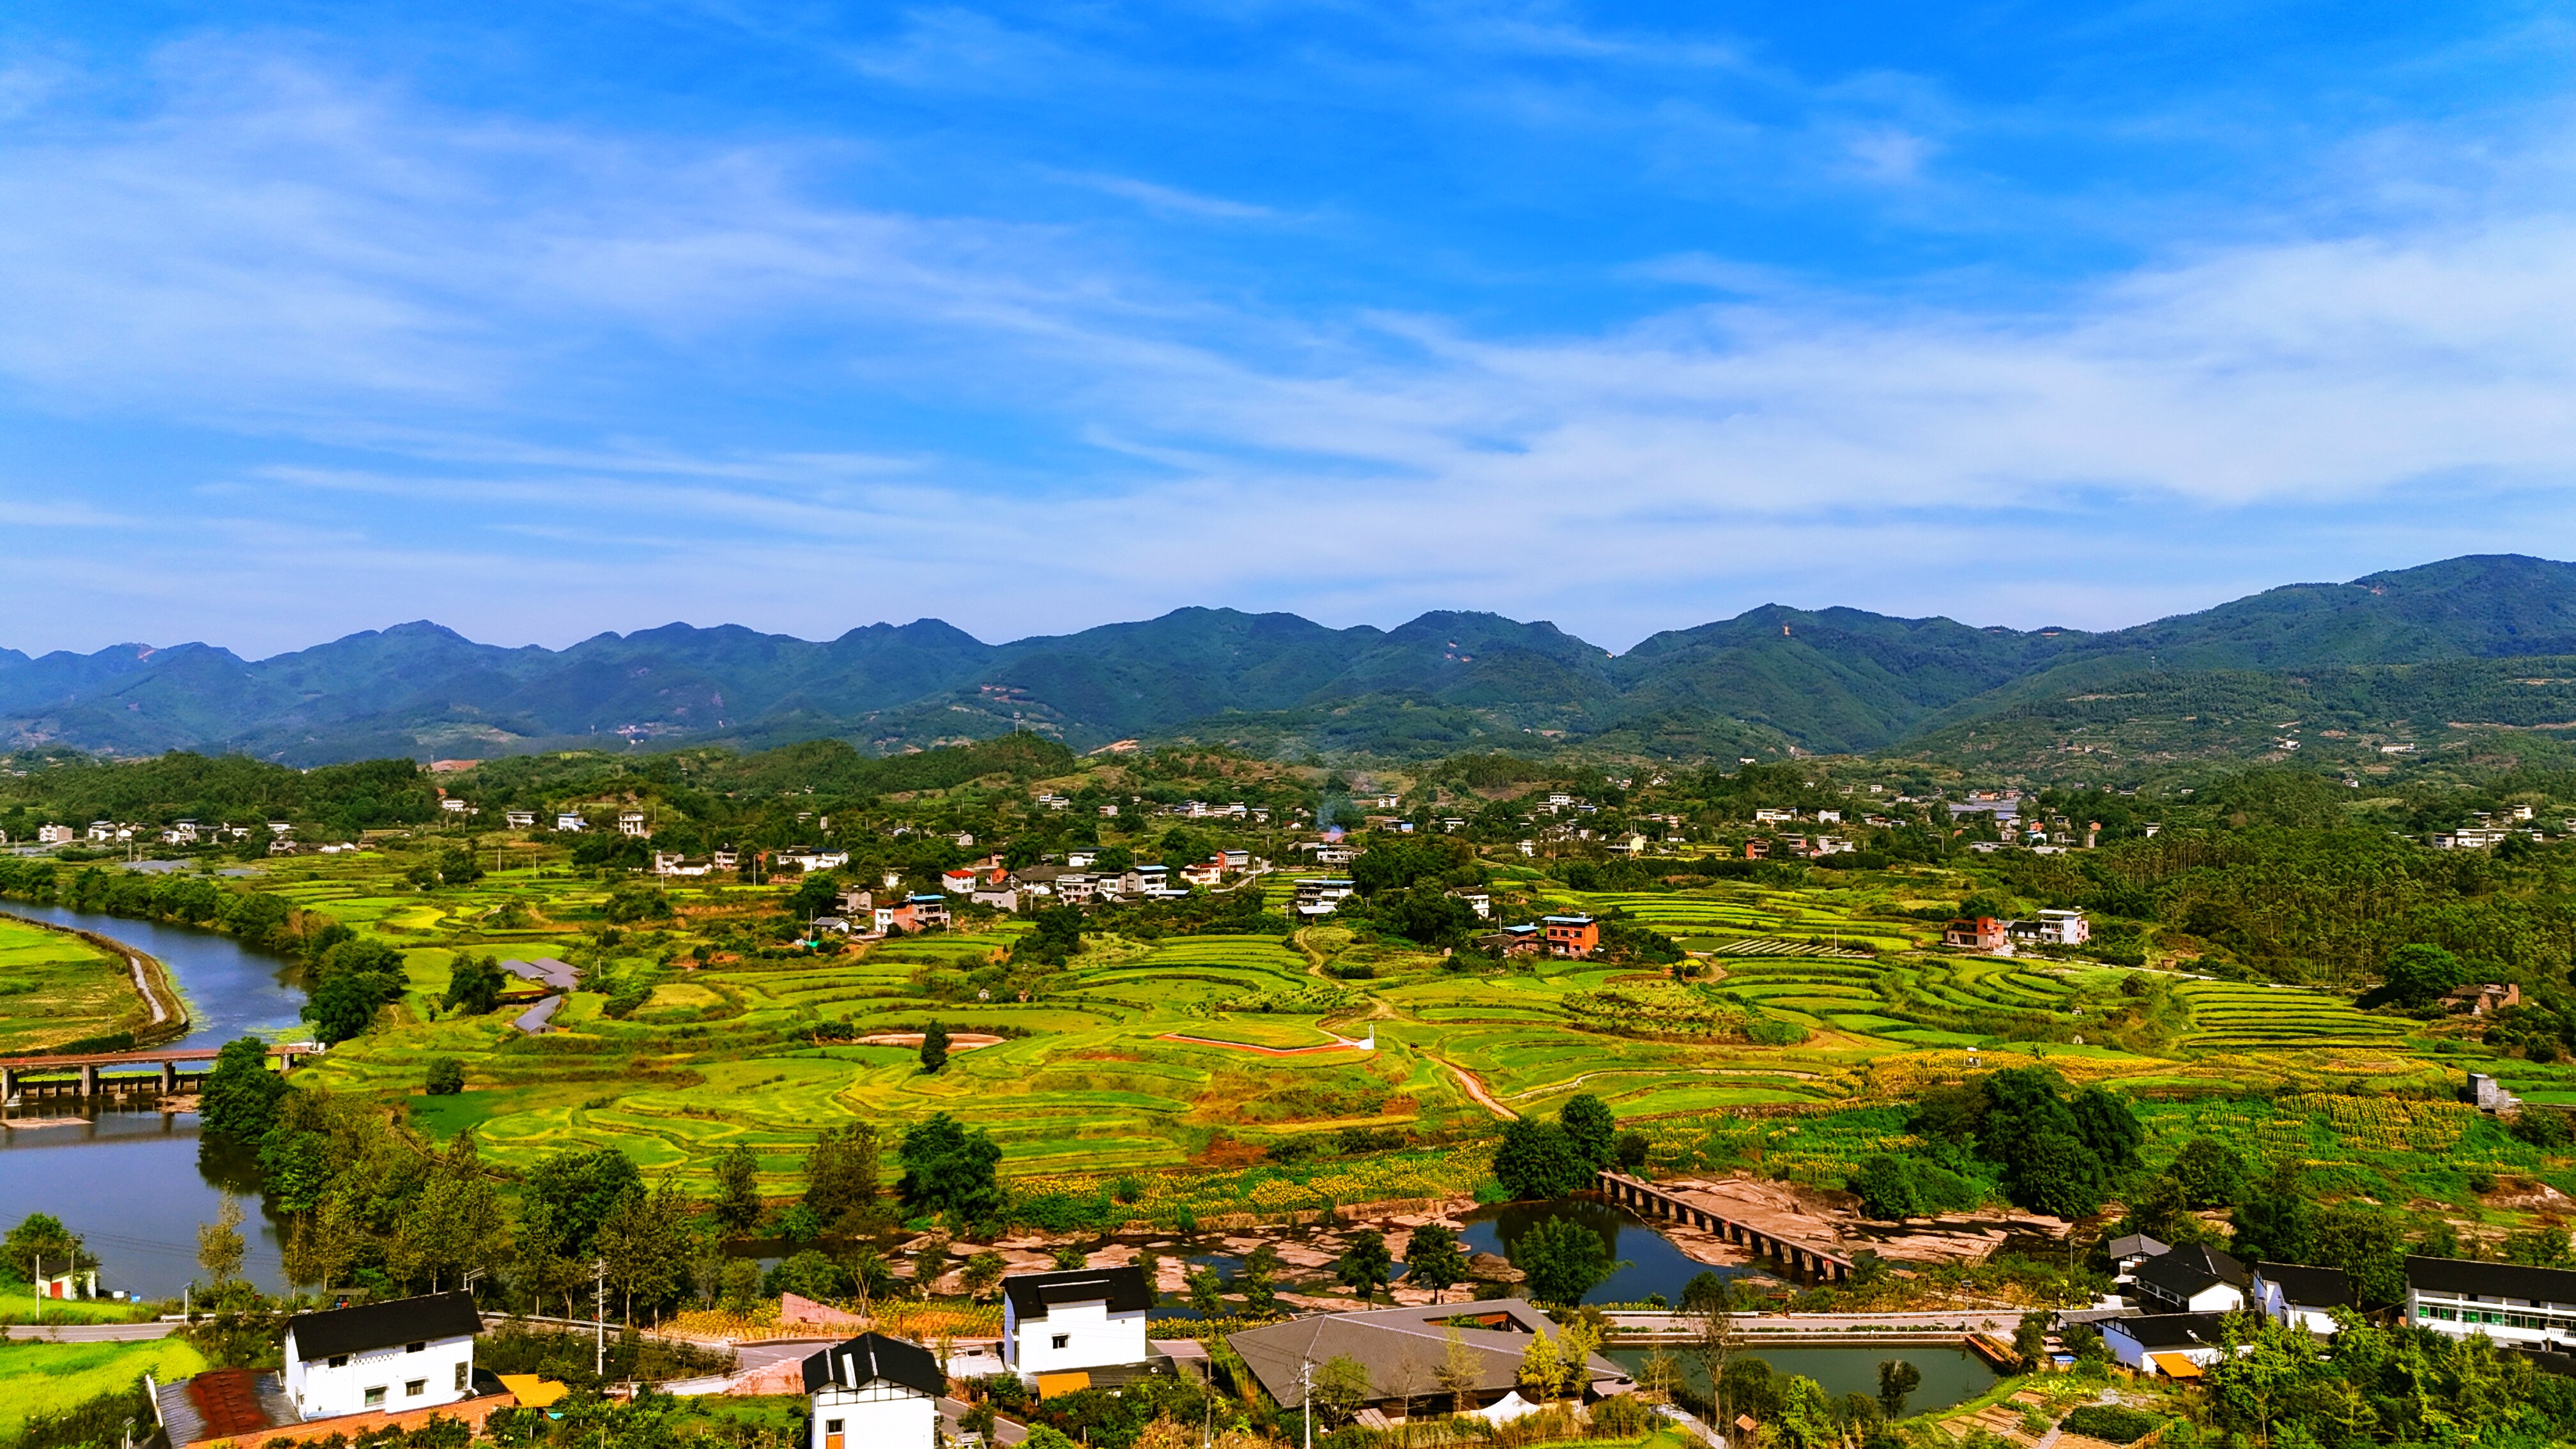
{"x": 133, "y": 1183}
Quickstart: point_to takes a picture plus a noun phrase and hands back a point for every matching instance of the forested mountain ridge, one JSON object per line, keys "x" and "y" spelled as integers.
{"x": 2479, "y": 639}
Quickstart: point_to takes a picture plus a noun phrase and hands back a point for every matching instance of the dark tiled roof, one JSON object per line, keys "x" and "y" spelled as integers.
{"x": 2309, "y": 1287}
{"x": 2171, "y": 1330}
{"x": 1031, "y": 1294}
{"x": 382, "y": 1325}
{"x": 2177, "y": 1276}
{"x": 872, "y": 1358}
{"x": 1400, "y": 1347}
{"x": 2491, "y": 1280}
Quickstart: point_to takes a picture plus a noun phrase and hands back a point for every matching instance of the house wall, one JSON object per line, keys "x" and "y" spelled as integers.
{"x": 879, "y": 1416}
{"x": 1095, "y": 1339}
{"x": 2513, "y": 1321}
{"x": 444, "y": 1369}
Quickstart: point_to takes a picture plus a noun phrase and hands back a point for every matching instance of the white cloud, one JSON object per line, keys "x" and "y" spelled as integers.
{"x": 493, "y": 354}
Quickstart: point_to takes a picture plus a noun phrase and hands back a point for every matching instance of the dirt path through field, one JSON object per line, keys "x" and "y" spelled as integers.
{"x": 1338, "y": 1044}
{"x": 1476, "y": 1089}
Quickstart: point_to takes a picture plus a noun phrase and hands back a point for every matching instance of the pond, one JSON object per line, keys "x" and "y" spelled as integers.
{"x": 1649, "y": 1261}
{"x": 1950, "y": 1375}
{"x": 133, "y": 1184}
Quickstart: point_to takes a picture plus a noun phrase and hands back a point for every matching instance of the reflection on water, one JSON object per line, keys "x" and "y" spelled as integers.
{"x": 1651, "y": 1264}
{"x": 134, "y": 1183}
{"x": 1950, "y": 1375}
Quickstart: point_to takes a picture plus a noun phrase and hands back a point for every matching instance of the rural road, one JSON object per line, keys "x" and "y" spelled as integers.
{"x": 91, "y": 1332}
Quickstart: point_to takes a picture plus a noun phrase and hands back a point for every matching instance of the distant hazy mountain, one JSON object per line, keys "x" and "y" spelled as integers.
{"x": 1825, "y": 681}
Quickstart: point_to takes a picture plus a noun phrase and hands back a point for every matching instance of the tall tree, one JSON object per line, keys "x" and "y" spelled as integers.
{"x": 1432, "y": 1258}
{"x": 841, "y": 1173}
{"x": 934, "y": 1049}
{"x": 241, "y": 1096}
{"x": 948, "y": 1169}
{"x": 738, "y": 1188}
{"x": 1591, "y": 1129}
{"x": 1366, "y": 1265}
{"x": 219, "y": 1244}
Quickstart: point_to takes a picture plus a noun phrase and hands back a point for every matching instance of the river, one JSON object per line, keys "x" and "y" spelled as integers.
{"x": 134, "y": 1184}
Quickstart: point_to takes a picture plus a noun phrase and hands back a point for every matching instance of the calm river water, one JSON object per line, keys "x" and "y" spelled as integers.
{"x": 134, "y": 1185}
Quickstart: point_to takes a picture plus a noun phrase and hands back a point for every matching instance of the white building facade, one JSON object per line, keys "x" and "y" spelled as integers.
{"x": 874, "y": 1392}
{"x": 411, "y": 1353}
{"x": 2520, "y": 1307}
{"x": 1086, "y": 1318}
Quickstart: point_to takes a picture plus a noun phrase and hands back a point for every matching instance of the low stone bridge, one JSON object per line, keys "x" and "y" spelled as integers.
{"x": 117, "y": 1074}
{"x": 1794, "y": 1255}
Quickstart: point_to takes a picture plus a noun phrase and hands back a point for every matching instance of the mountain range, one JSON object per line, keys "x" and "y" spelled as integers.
{"x": 2464, "y": 641}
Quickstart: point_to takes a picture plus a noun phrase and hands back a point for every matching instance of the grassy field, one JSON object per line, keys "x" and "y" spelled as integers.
{"x": 56, "y": 988}
{"x": 48, "y": 1378}
{"x": 1146, "y": 1057}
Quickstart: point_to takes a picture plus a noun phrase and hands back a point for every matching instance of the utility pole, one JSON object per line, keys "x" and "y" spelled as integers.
{"x": 599, "y": 1318}
{"x": 1306, "y": 1397}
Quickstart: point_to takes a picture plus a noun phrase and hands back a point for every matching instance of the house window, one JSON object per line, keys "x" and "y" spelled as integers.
{"x": 414, "y": 1347}
{"x": 461, "y": 1371}
{"x": 1061, "y": 1340}
{"x": 375, "y": 1396}
{"x": 339, "y": 1360}
{"x": 831, "y": 1426}
{"x": 415, "y": 1388}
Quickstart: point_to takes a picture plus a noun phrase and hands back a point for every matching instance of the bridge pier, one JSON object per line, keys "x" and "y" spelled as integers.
{"x": 169, "y": 1079}
{"x": 89, "y": 1079}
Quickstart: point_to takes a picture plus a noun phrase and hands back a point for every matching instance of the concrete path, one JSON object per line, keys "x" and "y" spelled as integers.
{"x": 90, "y": 1332}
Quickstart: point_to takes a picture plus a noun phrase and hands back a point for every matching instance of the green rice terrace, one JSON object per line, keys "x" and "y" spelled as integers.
{"x": 1212, "y": 1052}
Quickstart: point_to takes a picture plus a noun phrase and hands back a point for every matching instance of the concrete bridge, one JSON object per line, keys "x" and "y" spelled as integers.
{"x": 113, "y": 1074}
{"x": 1794, "y": 1256}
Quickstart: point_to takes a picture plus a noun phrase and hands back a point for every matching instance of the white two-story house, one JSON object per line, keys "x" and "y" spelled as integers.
{"x": 2517, "y": 1307}
{"x": 875, "y": 1392}
{"x": 1075, "y": 1321}
{"x": 411, "y": 1353}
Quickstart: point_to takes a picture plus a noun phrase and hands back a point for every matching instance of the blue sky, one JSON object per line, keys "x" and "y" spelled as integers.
{"x": 542, "y": 319}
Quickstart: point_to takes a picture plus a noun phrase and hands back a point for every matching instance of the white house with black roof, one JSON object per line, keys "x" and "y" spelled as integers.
{"x": 2174, "y": 1345}
{"x": 2196, "y": 1279}
{"x": 1075, "y": 1321}
{"x": 875, "y": 1392}
{"x": 410, "y": 1353}
{"x": 2518, "y": 1307}
{"x": 2301, "y": 1296}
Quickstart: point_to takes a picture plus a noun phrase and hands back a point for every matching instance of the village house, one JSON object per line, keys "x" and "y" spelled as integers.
{"x": 1399, "y": 1346}
{"x": 957, "y": 882}
{"x": 1061, "y": 1329}
{"x": 811, "y": 861}
{"x": 1209, "y": 872}
{"x": 1319, "y": 896}
{"x": 2173, "y": 1345}
{"x": 2301, "y": 1296}
{"x": 1980, "y": 933}
{"x": 1481, "y": 902}
{"x": 2052, "y": 928}
{"x": 727, "y": 859}
{"x": 1757, "y": 849}
{"x": 913, "y": 913}
{"x": 1571, "y": 935}
{"x": 2517, "y": 1307}
{"x": 873, "y": 1390}
{"x": 519, "y": 819}
{"x": 56, "y": 835}
{"x": 2196, "y": 1279}
{"x": 631, "y": 822}
{"x": 669, "y": 863}
{"x": 1514, "y": 941}
{"x": 570, "y": 822}
{"x": 2484, "y": 1000}
{"x": 453, "y": 805}
{"x": 410, "y": 1353}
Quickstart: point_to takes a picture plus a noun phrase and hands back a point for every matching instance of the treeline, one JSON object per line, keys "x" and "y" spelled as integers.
{"x": 268, "y": 922}
{"x": 71, "y": 789}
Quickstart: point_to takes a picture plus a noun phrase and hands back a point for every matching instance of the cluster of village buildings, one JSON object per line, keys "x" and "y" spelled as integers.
{"x": 351, "y": 1372}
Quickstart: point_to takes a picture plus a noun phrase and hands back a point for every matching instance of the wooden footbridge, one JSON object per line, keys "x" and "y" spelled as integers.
{"x": 1793, "y": 1255}
{"x": 122, "y": 1074}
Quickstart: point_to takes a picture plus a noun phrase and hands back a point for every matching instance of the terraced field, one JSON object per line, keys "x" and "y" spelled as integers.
{"x": 1097, "y": 1073}
{"x": 57, "y": 988}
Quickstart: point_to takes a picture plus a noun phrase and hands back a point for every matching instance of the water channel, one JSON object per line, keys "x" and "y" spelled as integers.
{"x": 133, "y": 1183}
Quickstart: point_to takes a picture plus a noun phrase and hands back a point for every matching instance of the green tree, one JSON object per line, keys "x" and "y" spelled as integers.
{"x": 934, "y": 1049}
{"x": 446, "y": 1077}
{"x": 1366, "y": 1266}
{"x": 948, "y": 1169}
{"x": 1341, "y": 1388}
{"x": 2209, "y": 1172}
{"x": 220, "y": 1246}
{"x": 2057, "y": 1174}
{"x": 983, "y": 1271}
{"x": 1432, "y": 1258}
{"x": 1589, "y": 1126}
{"x": 241, "y": 1096}
{"x": 42, "y": 1235}
{"x": 1206, "y": 1292}
{"x": 567, "y": 1196}
{"x": 1886, "y": 1188}
{"x": 2108, "y": 1126}
{"x": 1561, "y": 1260}
{"x": 2417, "y": 976}
{"x": 474, "y": 985}
{"x": 1803, "y": 1417}
{"x": 841, "y": 1174}
{"x": 1536, "y": 1160}
{"x": 738, "y": 1188}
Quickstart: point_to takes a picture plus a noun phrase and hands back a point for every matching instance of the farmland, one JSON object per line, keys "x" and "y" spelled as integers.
{"x": 1185, "y": 1070}
{"x": 56, "y": 988}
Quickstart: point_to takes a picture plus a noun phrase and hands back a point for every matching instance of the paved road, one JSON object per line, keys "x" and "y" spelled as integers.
{"x": 91, "y": 1332}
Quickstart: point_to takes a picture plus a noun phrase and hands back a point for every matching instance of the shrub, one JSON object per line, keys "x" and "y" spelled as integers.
{"x": 1619, "y": 1414}
{"x": 2111, "y": 1423}
{"x": 446, "y": 1076}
